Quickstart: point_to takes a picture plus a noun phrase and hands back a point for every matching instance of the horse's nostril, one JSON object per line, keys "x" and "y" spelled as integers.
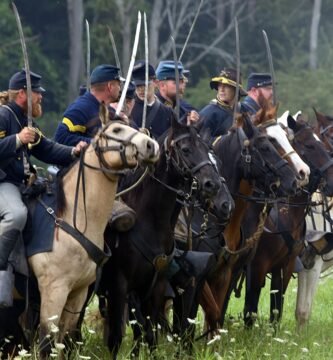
{"x": 301, "y": 175}
{"x": 210, "y": 186}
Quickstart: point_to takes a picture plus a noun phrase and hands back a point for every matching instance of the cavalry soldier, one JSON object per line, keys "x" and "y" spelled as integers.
{"x": 81, "y": 121}
{"x": 167, "y": 92}
{"x": 15, "y": 166}
{"x": 158, "y": 115}
{"x": 259, "y": 91}
{"x": 218, "y": 114}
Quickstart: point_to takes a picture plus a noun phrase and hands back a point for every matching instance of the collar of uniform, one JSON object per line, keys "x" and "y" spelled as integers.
{"x": 18, "y": 110}
{"x": 222, "y": 103}
{"x": 251, "y": 103}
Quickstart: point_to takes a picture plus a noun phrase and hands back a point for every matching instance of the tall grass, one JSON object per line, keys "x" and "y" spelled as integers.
{"x": 263, "y": 341}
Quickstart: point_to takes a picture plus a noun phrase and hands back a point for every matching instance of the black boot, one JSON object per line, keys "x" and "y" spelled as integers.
{"x": 7, "y": 244}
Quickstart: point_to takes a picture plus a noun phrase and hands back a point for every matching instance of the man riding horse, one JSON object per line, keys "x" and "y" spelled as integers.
{"x": 18, "y": 142}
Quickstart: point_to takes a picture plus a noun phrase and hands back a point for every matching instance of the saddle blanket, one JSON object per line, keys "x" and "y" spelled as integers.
{"x": 42, "y": 227}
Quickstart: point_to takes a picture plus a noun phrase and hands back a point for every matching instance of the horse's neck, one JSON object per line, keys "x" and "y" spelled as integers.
{"x": 99, "y": 197}
{"x": 232, "y": 230}
{"x": 291, "y": 218}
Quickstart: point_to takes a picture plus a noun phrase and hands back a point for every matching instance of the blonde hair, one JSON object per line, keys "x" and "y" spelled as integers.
{"x": 4, "y": 97}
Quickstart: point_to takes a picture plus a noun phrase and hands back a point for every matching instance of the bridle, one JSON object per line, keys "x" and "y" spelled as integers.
{"x": 254, "y": 160}
{"x": 120, "y": 146}
{"x": 175, "y": 157}
{"x": 326, "y": 137}
{"x": 316, "y": 173}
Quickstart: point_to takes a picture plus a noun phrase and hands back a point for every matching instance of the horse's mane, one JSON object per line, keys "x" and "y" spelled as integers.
{"x": 131, "y": 177}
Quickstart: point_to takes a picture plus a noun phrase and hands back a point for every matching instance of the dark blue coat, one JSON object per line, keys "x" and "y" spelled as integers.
{"x": 217, "y": 118}
{"x": 11, "y": 159}
{"x": 249, "y": 105}
{"x": 80, "y": 121}
{"x": 157, "y": 121}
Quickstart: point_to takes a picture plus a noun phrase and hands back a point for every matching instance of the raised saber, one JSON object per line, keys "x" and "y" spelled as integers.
{"x": 115, "y": 52}
{"x": 88, "y": 54}
{"x": 237, "y": 69}
{"x": 271, "y": 67}
{"x": 26, "y": 64}
{"x": 144, "y": 113}
{"x": 177, "y": 75}
{"x": 130, "y": 68}
{"x": 191, "y": 30}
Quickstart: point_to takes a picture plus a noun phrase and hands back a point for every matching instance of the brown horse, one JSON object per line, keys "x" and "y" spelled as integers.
{"x": 259, "y": 172}
{"x": 64, "y": 274}
{"x": 283, "y": 239}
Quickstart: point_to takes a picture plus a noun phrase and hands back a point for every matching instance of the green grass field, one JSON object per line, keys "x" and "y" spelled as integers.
{"x": 234, "y": 342}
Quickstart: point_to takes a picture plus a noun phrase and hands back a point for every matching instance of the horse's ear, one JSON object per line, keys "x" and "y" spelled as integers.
{"x": 321, "y": 118}
{"x": 205, "y": 134}
{"x": 240, "y": 119}
{"x": 248, "y": 127}
{"x": 258, "y": 117}
{"x": 291, "y": 122}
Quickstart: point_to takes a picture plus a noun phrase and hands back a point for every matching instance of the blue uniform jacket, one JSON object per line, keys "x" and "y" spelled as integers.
{"x": 159, "y": 122}
{"x": 217, "y": 118}
{"x": 11, "y": 159}
{"x": 80, "y": 121}
{"x": 250, "y": 106}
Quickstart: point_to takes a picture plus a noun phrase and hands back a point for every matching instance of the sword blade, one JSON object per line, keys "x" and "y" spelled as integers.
{"x": 26, "y": 63}
{"x": 191, "y": 30}
{"x": 237, "y": 69}
{"x": 177, "y": 76}
{"x": 271, "y": 67}
{"x": 88, "y": 54}
{"x": 144, "y": 114}
{"x": 130, "y": 68}
{"x": 115, "y": 52}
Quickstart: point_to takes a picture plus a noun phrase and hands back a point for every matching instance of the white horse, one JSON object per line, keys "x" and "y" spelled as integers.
{"x": 308, "y": 281}
{"x": 65, "y": 273}
{"x": 274, "y": 130}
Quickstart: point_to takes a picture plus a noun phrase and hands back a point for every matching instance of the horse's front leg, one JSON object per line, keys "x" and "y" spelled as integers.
{"x": 53, "y": 300}
{"x": 151, "y": 310}
{"x": 255, "y": 280}
{"x": 70, "y": 316}
{"x": 116, "y": 301}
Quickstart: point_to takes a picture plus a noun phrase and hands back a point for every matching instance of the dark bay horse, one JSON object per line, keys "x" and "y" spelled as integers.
{"x": 249, "y": 163}
{"x": 142, "y": 255}
{"x": 284, "y": 232}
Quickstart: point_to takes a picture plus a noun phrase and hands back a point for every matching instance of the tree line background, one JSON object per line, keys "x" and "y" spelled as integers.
{"x": 299, "y": 34}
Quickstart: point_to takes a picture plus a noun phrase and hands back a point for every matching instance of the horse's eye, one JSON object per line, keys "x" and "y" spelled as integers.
{"x": 117, "y": 130}
{"x": 309, "y": 146}
{"x": 185, "y": 150}
{"x": 265, "y": 148}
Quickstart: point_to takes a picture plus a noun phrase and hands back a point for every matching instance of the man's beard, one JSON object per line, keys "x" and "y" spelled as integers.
{"x": 263, "y": 102}
{"x": 36, "y": 110}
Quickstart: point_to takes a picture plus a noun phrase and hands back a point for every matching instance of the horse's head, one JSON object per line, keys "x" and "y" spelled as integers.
{"x": 324, "y": 129}
{"x": 248, "y": 154}
{"x": 266, "y": 120}
{"x": 189, "y": 155}
{"x": 314, "y": 153}
{"x": 118, "y": 146}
